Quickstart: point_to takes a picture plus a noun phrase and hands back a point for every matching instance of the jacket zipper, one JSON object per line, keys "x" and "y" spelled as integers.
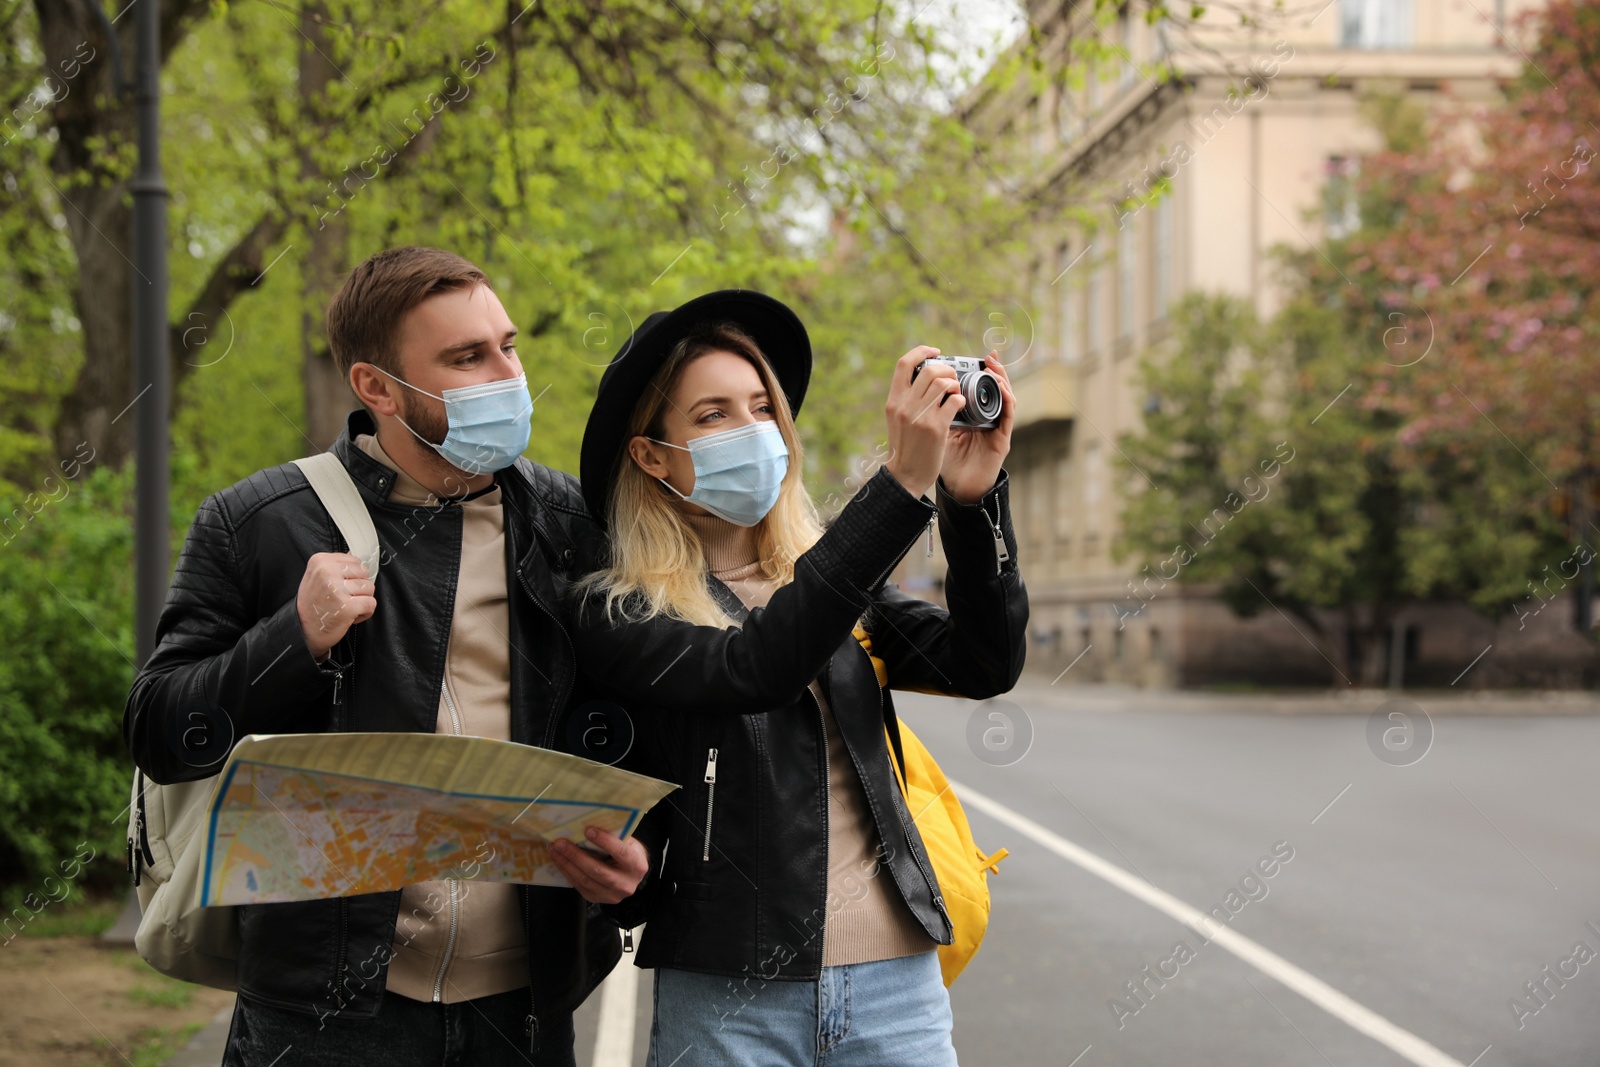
{"x": 139, "y": 854}
{"x": 711, "y": 796}
{"x": 342, "y": 961}
{"x": 1001, "y": 553}
{"x": 561, "y": 697}
{"x": 450, "y": 941}
{"x": 938, "y": 898}
{"x": 530, "y": 1025}
{"x": 450, "y": 706}
{"x": 351, "y": 640}
{"x": 454, "y": 884}
{"x": 827, "y": 794}
{"x": 898, "y": 557}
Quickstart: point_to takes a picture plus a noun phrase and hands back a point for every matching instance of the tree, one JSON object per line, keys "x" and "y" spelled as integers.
{"x": 284, "y": 120}
{"x": 1484, "y": 243}
{"x": 1429, "y": 370}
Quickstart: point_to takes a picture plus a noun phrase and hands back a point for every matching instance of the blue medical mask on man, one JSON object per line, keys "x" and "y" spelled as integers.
{"x": 737, "y": 473}
{"x": 489, "y": 424}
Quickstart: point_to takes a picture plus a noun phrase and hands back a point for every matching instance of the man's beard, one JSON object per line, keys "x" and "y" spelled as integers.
{"x": 423, "y": 422}
{"x": 432, "y": 428}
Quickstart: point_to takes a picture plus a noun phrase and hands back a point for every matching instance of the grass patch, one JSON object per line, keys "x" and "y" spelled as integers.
{"x": 169, "y": 994}
{"x": 151, "y": 1047}
{"x": 76, "y": 916}
{"x": 156, "y": 990}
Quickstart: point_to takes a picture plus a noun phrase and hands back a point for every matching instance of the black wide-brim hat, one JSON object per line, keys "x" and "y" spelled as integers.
{"x": 776, "y": 330}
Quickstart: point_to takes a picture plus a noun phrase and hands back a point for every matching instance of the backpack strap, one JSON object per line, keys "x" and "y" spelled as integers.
{"x": 891, "y": 722}
{"x": 338, "y": 493}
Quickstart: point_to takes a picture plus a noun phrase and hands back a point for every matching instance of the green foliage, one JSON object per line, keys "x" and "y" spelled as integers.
{"x": 65, "y": 623}
{"x": 78, "y": 915}
{"x": 599, "y": 164}
{"x": 1430, "y": 368}
{"x": 1275, "y": 465}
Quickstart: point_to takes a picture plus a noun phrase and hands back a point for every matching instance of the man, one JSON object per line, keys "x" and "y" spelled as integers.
{"x": 267, "y": 629}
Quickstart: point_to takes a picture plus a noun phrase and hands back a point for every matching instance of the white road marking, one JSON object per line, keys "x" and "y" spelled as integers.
{"x": 1363, "y": 1019}
{"x": 619, "y": 1001}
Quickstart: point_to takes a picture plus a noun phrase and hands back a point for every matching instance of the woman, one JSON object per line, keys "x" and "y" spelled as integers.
{"x": 792, "y": 909}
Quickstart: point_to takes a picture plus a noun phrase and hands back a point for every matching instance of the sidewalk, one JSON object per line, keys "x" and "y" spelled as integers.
{"x": 206, "y": 1047}
{"x": 1106, "y": 698}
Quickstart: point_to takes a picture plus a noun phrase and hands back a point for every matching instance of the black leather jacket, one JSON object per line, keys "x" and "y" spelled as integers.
{"x": 231, "y": 659}
{"x": 739, "y": 870}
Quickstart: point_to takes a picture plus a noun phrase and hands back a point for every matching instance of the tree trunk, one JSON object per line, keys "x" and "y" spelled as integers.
{"x": 1373, "y": 641}
{"x": 327, "y": 393}
{"x": 96, "y": 203}
{"x": 95, "y": 125}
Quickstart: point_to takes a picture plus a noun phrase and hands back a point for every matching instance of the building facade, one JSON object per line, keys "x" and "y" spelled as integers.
{"x": 1259, "y": 134}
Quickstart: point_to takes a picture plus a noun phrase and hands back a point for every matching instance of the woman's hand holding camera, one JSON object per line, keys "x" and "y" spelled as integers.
{"x": 972, "y": 458}
{"x": 919, "y": 410}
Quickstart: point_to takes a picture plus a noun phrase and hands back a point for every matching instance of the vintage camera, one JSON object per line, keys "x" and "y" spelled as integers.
{"x": 979, "y": 386}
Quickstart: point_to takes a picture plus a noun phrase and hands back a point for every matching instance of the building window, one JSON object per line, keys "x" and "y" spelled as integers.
{"x": 1094, "y": 311}
{"x": 1163, "y": 255}
{"x": 1125, "y": 41}
{"x": 1065, "y": 299}
{"x": 1038, "y": 505}
{"x": 1038, "y": 130}
{"x": 1375, "y": 23}
{"x": 1341, "y": 214}
{"x": 1063, "y": 495}
{"x": 1118, "y": 644}
{"x": 1126, "y": 262}
{"x": 1047, "y": 131}
{"x": 1155, "y": 644}
{"x": 1093, "y": 485}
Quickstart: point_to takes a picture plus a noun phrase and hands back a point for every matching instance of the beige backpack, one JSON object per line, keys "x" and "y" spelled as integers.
{"x": 176, "y": 936}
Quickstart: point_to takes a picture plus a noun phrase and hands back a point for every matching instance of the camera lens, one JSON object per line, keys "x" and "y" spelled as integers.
{"x": 982, "y": 390}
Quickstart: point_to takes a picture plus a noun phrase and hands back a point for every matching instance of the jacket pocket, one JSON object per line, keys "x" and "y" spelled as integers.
{"x": 711, "y": 799}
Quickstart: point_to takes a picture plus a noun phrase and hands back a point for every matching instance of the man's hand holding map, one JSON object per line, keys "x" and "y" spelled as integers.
{"x": 302, "y": 816}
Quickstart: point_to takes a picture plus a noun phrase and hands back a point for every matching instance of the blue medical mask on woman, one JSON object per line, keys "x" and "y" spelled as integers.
{"x": 489, "y": 423}
{"x": 737, "y": 472}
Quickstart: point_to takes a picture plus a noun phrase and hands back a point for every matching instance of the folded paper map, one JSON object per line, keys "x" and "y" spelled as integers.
{"x": 303, "y": 816}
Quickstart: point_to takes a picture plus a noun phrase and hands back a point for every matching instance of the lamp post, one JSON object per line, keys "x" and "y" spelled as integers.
{"x": 152, "y": 375}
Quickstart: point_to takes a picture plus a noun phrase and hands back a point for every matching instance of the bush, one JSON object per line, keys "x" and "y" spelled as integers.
{"x": 66, "y": 611}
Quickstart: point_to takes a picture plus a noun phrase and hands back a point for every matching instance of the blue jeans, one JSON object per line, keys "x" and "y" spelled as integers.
{"x": 874, "y": 1014}
{"x": 404, "y": 1033}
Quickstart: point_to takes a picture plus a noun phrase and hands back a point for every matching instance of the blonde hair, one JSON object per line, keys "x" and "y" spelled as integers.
{"x": 657, "y": 564}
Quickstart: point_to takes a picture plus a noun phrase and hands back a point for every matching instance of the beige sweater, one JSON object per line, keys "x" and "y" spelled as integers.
{"x": 455, "y": 939}
{"x": 866, "y": 917}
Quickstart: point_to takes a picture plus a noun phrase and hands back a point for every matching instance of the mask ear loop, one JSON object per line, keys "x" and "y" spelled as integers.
{"x": 406, "y": 424}
{"x": 663, "y": 481}
{"x": 407, "y": 384}
{"x": 753, "y": 429}
{"x": 674, "y": 488}
{"x": 442, "y": 400}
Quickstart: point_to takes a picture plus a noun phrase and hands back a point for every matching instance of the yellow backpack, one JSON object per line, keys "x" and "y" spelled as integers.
{"x": 960, "y": 866}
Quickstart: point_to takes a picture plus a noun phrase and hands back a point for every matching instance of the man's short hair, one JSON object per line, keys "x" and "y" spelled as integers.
{"x": 365, "y": 315}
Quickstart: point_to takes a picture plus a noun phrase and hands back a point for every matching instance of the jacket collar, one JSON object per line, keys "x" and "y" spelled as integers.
{"x": 371, "y": 475}
{"x": 726, "y": 597}
{"x": 522, "y": 502}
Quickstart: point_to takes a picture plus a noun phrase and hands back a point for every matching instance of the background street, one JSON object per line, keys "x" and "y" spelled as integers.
{"x": 1427, "y": 894}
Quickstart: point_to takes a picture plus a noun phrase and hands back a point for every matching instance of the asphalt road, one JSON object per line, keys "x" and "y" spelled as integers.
{"x": 1422, "y": 892}
{"x": 1415, "y": 888}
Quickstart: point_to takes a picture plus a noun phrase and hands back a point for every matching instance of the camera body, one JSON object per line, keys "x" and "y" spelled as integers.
{"x": 980, "y": 387}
